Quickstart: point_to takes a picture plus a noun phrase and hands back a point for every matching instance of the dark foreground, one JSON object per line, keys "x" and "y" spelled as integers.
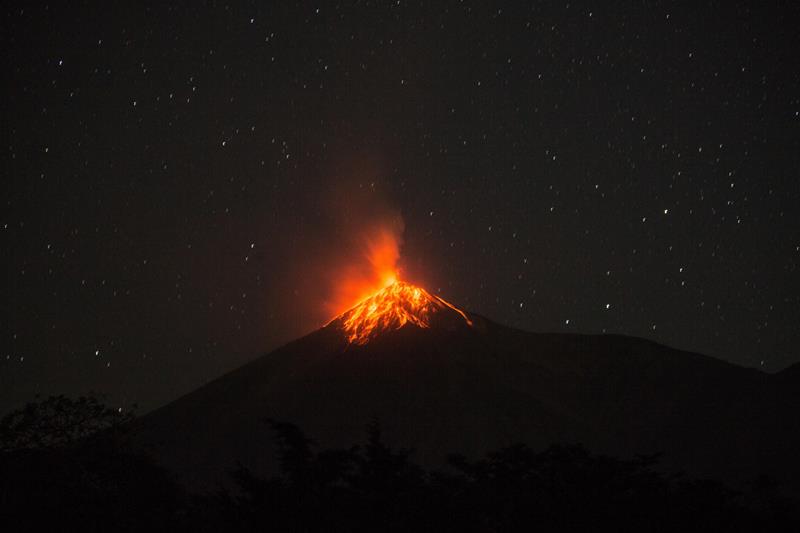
{"x": 65, "y": 466}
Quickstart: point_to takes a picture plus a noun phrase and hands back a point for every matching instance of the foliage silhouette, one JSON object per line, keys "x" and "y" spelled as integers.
{"x": 65, "y": 465}
{"x": 57, "y": 421}
{"x": 563, "y": 488}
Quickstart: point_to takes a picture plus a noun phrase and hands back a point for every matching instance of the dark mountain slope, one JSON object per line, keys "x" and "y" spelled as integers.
{"x": 473, "y": 389}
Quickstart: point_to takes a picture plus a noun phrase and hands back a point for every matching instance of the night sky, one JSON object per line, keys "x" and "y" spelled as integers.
{"x": 182, "y": 184}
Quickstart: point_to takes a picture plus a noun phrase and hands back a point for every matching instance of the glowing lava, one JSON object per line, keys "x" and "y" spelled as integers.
{"x": 393, "y": 307}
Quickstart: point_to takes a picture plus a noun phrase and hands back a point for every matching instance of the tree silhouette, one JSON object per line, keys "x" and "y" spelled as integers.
{"x": 63, "y": 467}
{"x": 57, "y": 421}
{"x": 562, "y": 488}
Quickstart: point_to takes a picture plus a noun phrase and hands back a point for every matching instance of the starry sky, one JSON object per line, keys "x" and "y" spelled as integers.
{"x": 180, "y": 179}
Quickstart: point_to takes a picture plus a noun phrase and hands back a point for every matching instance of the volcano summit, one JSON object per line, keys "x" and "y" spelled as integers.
{"x": 395, "y": 306}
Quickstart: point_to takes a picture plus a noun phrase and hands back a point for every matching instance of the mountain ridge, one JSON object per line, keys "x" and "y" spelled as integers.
{"x": 469, "y": 390}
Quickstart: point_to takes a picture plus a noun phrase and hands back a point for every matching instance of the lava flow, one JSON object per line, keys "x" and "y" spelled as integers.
{"x": 393, "y": 307}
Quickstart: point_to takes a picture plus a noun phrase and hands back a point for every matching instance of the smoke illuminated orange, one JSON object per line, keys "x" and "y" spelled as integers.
{"x": 373, "y": 269}
{"x": 391, "y": 308}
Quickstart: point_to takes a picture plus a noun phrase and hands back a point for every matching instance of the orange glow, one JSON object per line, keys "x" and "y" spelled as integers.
{"x": 383, "y": 253}
{"x": 374, "y": 269}
{"x": 391, "y": 308}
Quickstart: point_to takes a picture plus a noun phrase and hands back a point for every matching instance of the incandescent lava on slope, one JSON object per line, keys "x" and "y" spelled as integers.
{"x": 393, "y": 307}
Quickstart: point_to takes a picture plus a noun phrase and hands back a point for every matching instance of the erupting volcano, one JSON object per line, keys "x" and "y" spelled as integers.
{"x": 441, "y": 380}
{"x": 395, "y": 306}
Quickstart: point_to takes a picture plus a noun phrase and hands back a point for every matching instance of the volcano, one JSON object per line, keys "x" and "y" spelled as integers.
{"x": 440, "y": 380}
